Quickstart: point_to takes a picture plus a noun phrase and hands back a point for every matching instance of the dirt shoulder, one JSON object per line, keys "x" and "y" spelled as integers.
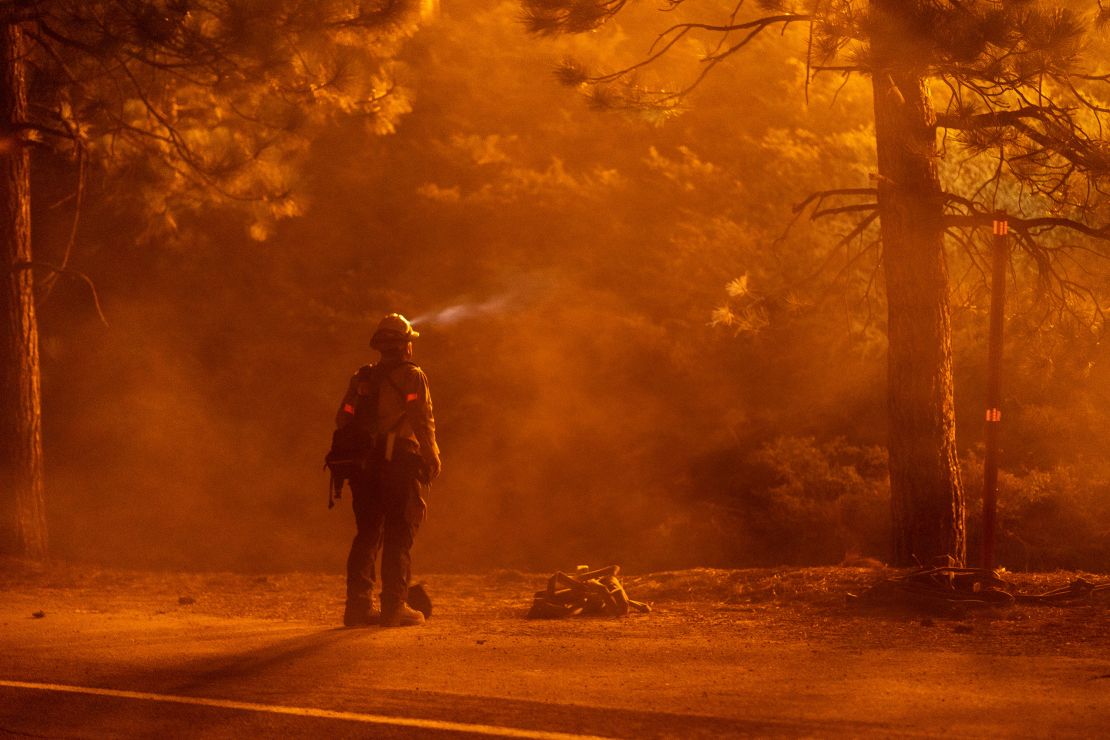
{"x": 782, "y": 651}
{"x": 769, "y": 605}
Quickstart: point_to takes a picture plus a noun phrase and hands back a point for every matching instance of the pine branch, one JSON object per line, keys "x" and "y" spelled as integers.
{"x": 635, "y": 98}
{"x": 994, "y": 119}
{"x": 843, "y": 68}
{"x": 821, "y": 195}
{"x": 860, "y": 207}
{"x": 40, "y": 128}
{"x": 55, "y": 269}
{"x": 553, "y": 17}
{"x": 754, "y": 28}
{"x": 1061, "y": 135}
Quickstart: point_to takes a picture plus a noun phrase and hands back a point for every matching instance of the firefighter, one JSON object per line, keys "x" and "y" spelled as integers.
{"x": 391, "y": 403}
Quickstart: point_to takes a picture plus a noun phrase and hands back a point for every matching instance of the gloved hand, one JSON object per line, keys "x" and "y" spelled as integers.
{"x": 432, "y": 466}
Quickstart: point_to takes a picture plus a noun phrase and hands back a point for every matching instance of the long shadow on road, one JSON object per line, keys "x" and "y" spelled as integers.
{"x": 427, "y": 674}
{"x": 256, "y": 662}
{"x": 351, "y": 671}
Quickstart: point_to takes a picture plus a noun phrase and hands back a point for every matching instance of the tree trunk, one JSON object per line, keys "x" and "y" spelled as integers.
{"x": 926, "y": 492}
{"x": 22, "y": 507}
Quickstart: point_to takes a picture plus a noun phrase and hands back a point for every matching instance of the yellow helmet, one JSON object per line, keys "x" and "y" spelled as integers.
{"x": 392, "y": 330}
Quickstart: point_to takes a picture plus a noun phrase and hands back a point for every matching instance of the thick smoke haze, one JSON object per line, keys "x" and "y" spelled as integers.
{"x": 601, "y": 396}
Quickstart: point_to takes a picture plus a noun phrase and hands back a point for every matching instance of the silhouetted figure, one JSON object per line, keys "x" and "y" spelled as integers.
{"x": 391, "y": 403}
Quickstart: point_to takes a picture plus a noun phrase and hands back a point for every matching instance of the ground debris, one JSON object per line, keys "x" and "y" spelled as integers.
{"x": 949, "y": 586}
{"x": 186, "y": 600}
{"x": 1078, "y": 589}
{"x": 587, "y": 592}
{"x": 39, "y": 614}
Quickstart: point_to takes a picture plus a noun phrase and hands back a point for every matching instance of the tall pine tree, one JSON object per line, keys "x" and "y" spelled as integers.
{"x": 191, "y": 102}
{"x": 1020, "y": 82}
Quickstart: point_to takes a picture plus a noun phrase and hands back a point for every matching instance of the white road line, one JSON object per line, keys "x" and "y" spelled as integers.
{"x": 374, "y": 719}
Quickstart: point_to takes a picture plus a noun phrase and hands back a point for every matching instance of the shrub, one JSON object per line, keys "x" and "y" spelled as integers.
{"x": 1047, "y": 519}
{"x": 797, "y": 501}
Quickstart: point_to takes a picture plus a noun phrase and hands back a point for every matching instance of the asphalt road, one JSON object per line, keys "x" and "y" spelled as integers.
{"x": 129, "y": 674}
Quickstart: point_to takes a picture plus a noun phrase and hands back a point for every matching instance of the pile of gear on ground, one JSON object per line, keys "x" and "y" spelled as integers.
{"x": 586, "y": 593}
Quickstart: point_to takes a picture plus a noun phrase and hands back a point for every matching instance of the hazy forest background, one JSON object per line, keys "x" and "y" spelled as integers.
{"x": 632, "y": 361}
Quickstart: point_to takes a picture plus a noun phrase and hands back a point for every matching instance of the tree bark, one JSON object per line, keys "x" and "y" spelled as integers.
{"x": 22, "y": 505}
{"x": 927, "y": 499}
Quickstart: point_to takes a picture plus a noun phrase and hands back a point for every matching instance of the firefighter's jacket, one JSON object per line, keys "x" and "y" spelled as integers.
{"x": 403, "y": 409}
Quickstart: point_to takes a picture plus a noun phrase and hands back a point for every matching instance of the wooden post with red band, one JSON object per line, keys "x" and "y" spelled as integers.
{"x": 1000, "y": 259}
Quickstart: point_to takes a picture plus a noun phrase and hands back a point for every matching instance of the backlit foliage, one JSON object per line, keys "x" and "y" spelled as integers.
{"x": 1018, "y": 94}
{"x": 563, "y": 267}
{"x": 1022, "y": 92}
{"x": 195, "y": 101}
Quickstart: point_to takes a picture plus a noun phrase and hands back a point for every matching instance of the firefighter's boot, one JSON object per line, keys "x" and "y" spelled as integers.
{"x": 401, "y": 615}
{"x": 360, "y": 614}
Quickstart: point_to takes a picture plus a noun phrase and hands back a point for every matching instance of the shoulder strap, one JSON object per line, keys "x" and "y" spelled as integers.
{"x": 389, "y": 377}
{"x": 376, "y": 374}
{"x": 368, "y": 404}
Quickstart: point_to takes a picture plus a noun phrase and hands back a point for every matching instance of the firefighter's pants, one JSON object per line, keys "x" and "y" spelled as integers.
{"x": 388, "y": 510}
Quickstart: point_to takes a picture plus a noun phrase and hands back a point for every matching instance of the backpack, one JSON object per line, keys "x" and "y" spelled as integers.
{"x": 354, "y": 450}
